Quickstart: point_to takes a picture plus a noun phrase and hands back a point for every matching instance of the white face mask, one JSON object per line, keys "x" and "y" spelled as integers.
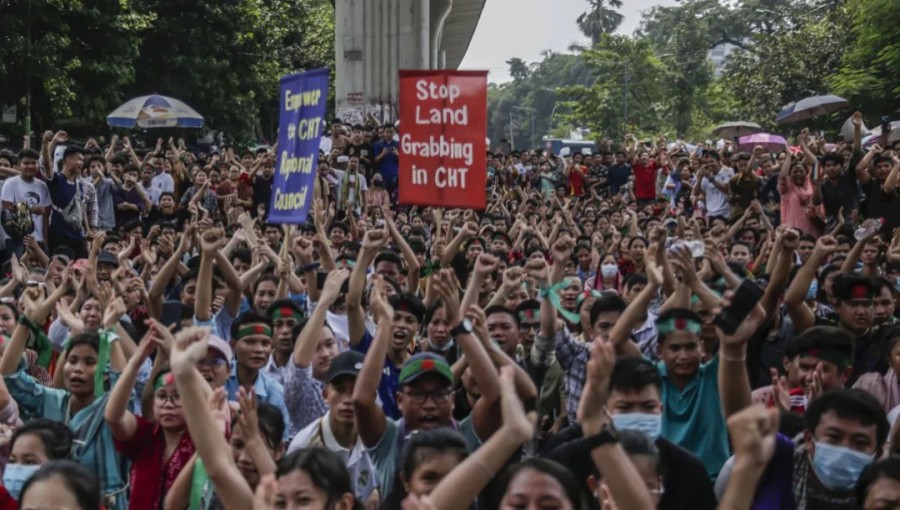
{"x": 609, "y": 270}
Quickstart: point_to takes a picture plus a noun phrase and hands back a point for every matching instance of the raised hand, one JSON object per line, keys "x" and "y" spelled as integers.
{"x": 191, "y": 345}
{"x": 332, "y": 288}
{"x": 115, "y": 309}
{"x": 378, "y": 303}
{"x": 826, "y": 245}
{"x": 539, "y": 271}
{"x": 780, "y": 391}
{"x": 447, "y": 289}
{"x": 486, "y": 264}
{"x": 753, "y": 435}
{"x": 591, "y": 412}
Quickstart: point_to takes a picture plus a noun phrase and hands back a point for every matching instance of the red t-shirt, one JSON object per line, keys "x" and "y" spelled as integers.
{"x": 576, "y": 181}
{"x": 6, "y": 500}
{"x": 644, "y": 180}
{"x": 151, "y": 474}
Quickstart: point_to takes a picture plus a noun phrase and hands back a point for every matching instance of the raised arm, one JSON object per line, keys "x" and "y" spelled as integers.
{"x": 207, "y": 430}
{"x": 459, "y": 489}
{"x": 734, "y": 381}
{"x": 370, "y": 419}
{"x": 480, "y": 363}
{"x": 621, "y": 330}
{"x": 158, "y": 287}
{"x": 795, "y": 296}
{"x": 412, "y": 263}
{"x": 619, "y": 474}
{"x": 753, "y": 438}
{"x": 119, "y": 418}
{"x": 356, "y": 318}
{"x": 307, "y": 342}
{"x": 211, "y": 241}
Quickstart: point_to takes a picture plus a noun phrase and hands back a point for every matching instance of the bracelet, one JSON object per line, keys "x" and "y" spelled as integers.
{"x": 309, "y": 267}
{"x": 484, "y": 466}
{"x": 735, "y": 360}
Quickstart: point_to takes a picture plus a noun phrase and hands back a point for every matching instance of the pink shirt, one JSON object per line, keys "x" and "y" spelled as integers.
{"x": 795, "y": 202}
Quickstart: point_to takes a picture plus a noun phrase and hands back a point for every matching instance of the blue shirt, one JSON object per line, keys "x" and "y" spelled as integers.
{"x": 390, "y": 380}
{"x": 267, "y": 390}
{"x": 692, "y": 418}
{"x": 389, "y": 167}
{"x": 93, "y": 446}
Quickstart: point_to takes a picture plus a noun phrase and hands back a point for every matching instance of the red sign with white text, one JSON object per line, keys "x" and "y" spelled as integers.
{"x": 443, "y": 127}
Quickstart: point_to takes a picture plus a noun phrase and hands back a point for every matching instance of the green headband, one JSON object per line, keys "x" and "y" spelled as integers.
{"x": 254, "y": 329}
{"x": 678, "y": 324}
{"x": 286, "y": 312}
{"x": 164, "y": 379}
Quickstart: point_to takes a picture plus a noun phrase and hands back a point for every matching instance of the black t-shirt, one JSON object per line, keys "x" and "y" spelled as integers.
{"x": 881, "y": 205}
{"x": 685, "y": 480}
{"x": 618, "y": 176}
{"x": 842, "y": 193}
{"x": 177, "y": 218}
{"x": 364, "y": 151}
{"x": 262, "y": 192}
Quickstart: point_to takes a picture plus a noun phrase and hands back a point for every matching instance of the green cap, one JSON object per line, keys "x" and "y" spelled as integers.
{"x": 425, "y": 363}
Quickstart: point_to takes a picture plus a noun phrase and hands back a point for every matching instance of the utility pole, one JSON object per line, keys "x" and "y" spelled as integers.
{"x": 625, "y": 101}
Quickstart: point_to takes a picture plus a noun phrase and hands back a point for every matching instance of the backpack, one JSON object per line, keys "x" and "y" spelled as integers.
{"x": 18, "y": 221}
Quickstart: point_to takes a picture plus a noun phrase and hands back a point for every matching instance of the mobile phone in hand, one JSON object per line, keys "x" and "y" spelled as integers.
{"x": 742, "y": 303}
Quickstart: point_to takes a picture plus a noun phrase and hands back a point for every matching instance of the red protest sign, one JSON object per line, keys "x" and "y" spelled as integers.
{"x": 443, "y": 126}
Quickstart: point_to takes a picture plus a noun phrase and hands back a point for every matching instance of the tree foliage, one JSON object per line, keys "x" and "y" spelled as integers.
{"x": 222, "y": 57}
{"x": 601, "y": 18}
{"x": 868, "y": 71}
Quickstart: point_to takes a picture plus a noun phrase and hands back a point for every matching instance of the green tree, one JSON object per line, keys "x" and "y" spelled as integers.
{"x": 787, "y": 66}
{"x": 601, "y": 18}
{"x": 77, "y": 59}
{"x": 628, "y": 91}
{"x": 868, "y": 70}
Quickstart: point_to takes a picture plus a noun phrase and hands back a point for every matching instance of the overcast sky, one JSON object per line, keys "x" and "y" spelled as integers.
{"x": 525, "y": 28}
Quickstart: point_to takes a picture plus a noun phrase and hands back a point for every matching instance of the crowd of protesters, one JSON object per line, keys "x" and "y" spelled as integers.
{"x": 166, "y": 347}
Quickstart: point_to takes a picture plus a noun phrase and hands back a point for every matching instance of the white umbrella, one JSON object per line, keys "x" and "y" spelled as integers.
{"x": 810, "y": 108}
{"x": 155, "y": 112}
{"x": 731, "y": 130}
{"x": 847, "y": 129}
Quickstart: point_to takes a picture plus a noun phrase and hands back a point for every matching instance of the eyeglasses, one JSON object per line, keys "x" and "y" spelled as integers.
{"x": 419, "y": 397}
{"x": 212, "y": 363}
{"x": 162, "y": 398}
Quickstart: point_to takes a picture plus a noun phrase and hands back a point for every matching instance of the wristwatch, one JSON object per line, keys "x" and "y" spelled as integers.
{"x": 607, "y": 435}
{"x": 462, "y": 328}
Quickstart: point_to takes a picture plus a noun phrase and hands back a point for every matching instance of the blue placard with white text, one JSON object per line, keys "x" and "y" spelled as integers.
{"x": 302, "y": 111}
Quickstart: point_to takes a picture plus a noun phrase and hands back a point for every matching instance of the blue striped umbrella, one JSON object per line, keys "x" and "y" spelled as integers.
{"x": 155, "y": 112}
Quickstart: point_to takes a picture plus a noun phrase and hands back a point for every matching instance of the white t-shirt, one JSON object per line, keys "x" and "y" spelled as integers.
{"x": 34, "y": 193}
{"x": 159, "y": 184}
{"x": 717, "y": 201}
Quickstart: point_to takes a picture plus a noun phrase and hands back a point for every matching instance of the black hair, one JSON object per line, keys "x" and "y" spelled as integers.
{"x": 849, "y": 404}
{"x": 270, "y": 422}
{"x": 607, "y": 302}
{"x": 635, "y": 442}
{"x": 131, "y": 168}
{"x": 56, "y": 437}
{"x": 833, "y": 157}
{"x": 528, "y": 304}
{"x": 94, "y": 157}
{"x": 340, "y": 225}
{"x": 808, "y": 238}
{"x": 885, "y": 468}
{"x": 29, "y": 153}
{"x": 418, "y": 448}
{"x": 242, "y": 254}
{"x": 495, "y": 309}
{"x": 77, "y": 479}
{"x": 72, "y": 150}
{"x": 411, "y": 303}
{"x": 431, "y": 310}
{"x": 264, "y": 278}
{"x": 634, "y": 279}
{"x": 634, "y": 374}
{"x": 250, "y": 317}
{"x": 325, "y": 469}
{"x": 86, "y": 338}
{"x": 387, "y": 256}
{"x": 675, "y": 313}
{"x": 557, "y": 471}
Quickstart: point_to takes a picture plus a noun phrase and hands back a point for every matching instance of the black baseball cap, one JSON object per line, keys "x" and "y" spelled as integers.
{"x": 345, "y": 363}
{"x": 107, "y": 257}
